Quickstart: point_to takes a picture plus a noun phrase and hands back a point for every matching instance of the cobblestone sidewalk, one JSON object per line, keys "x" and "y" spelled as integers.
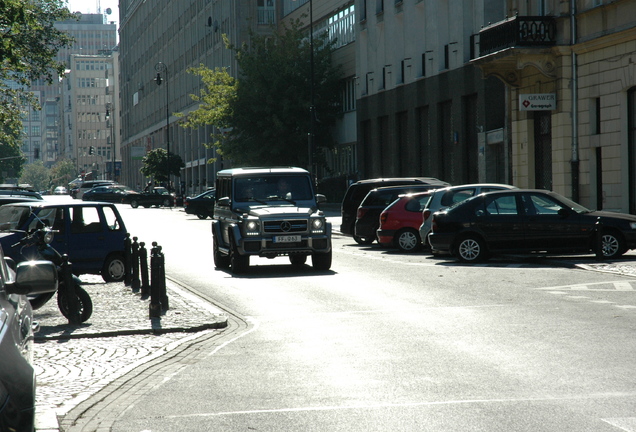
{"x": 74, "y": 362}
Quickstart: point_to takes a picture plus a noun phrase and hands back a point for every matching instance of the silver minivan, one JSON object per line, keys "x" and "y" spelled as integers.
{"x": 446, "y": 197}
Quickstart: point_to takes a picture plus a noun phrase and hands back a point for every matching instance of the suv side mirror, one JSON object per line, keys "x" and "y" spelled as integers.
{"x": 320, "y": 198}
{"x": 223, "y": 202}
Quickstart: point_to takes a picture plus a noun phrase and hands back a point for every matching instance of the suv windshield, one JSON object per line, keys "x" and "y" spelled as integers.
{"x": 272, "y": 188}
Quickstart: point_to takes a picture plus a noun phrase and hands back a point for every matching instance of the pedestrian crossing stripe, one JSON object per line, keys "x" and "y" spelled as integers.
{"x": 596, "y": 286}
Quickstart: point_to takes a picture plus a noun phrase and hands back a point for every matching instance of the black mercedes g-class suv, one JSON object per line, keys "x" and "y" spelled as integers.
{"x": 268, "y": 212}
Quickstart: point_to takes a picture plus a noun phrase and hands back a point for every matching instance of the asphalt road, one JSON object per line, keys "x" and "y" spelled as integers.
{"x": 382, "y": 341}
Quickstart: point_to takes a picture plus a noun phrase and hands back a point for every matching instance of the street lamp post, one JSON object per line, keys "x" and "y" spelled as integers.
{"x": 110, "y": 118}
{"x": 161, "y": 67}
{"x": 312, "y": 106}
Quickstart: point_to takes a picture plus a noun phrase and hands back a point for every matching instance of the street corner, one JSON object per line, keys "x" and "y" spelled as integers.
{"x": 119, "y": 310}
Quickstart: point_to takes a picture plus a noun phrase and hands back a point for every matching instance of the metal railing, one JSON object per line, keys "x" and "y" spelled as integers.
{"x": 526, "y": 31}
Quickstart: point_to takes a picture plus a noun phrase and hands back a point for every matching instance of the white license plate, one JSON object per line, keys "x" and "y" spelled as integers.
{"x": 287, "y": 239}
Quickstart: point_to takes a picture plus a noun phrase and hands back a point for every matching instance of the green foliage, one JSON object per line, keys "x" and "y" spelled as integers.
{"x": 11, "y": 160}
{"x": 266, "y": 112}
{"x": 29, "y": 43}
{"x": 37, "y": 175}
{"x": 62, "y": 173}
{"x": 154, "y": 165}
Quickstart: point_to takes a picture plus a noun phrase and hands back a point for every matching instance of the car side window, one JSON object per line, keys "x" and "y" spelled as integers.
{"x": 111, "y": 219}
{"x": 45, "y": 217}
{"x": 455, "y": 196}
{"x": 85, "y": 220}
{"x": 502, "y": 205}
{"x": 544, "y": 205}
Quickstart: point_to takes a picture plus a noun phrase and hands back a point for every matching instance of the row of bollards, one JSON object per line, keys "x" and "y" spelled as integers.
{"x": 150, "y": 281}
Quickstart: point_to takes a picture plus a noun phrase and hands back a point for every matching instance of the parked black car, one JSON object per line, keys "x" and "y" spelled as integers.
{"x": 525, "y": 221}
{"x": 17, "y": 377}
{"x": 368, "y": 215}
{"x": 358, "y": 190}
{"x": 112, "y": 194}
{"x": 158, "y": 196}
{"x": 201, "y": 205}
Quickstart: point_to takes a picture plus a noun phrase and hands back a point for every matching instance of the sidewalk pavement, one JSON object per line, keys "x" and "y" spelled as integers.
{"x": 73, "y": 362}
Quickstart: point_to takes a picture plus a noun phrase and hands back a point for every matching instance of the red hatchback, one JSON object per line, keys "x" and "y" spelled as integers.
{"x": 400, "y": 222}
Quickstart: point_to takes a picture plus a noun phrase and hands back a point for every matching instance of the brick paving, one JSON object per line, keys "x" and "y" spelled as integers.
{"x": 74, "y": 362}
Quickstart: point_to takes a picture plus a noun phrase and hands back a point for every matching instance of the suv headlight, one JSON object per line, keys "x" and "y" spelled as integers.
{"x": 317, "y": 225}
{"x": 252, "y": 227}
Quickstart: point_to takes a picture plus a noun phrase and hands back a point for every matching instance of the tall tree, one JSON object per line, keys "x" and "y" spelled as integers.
{"x": 63, "y": 172}
{"x": 155, "y": 166}
{"x": 266, "y": 111}
{"x": 29, "y": 43}
{"x": 37, "y": 175}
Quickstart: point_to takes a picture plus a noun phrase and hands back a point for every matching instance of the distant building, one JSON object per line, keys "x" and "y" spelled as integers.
{"x": 93, "y": 35}
{"x": 90, "y": 113}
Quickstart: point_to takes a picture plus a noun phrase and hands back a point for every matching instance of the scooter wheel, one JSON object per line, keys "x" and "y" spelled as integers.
{"x": 84, "y": 300}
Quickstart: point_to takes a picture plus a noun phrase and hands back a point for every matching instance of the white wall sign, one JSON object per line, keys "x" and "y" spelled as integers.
{"x": 537, "y": 102}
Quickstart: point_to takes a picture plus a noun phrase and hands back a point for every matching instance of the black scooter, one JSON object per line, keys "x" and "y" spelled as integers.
{"x": 36, "y": 245}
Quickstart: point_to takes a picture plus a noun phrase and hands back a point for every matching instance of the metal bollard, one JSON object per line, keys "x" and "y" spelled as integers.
{"x": 155, "y": 289}
{"x": 165, "y": 305}
{"x": 136, "y": 284}
{"x": 143, "y": 264}
{"x": 127, "y": 260}
{"x": 598, "y": 228}
{"x": 69, "y": 293}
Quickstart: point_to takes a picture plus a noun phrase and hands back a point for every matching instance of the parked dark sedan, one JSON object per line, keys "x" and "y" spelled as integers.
{"x": 112, "y": 194}
{"x": 157, "y": 196}
{"x": 17, "y": 377}
{"x": 201, "y": 205}
{"x": 526, "y": 221}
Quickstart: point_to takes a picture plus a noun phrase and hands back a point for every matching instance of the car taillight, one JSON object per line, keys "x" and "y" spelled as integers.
{"x": 433, "y": 225}
{"x": 361, "y": 212}
{"x": 426, "y": 214}
{"x": 383, "y": 217}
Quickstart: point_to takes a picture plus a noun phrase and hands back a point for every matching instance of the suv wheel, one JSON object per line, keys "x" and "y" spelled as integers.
{"x": 220, "y": 260}
{"x": 166, "y": 202}
{"x": 363, "y": 240}
{"x": 239, "y": 263}
{"x": 321, "y": 261}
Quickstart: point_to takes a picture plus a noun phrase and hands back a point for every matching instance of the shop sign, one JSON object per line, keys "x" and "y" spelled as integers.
{"x": 537, "y": 102}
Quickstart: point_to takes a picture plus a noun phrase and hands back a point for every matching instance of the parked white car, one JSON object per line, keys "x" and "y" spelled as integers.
{"x": 446, "y": 197}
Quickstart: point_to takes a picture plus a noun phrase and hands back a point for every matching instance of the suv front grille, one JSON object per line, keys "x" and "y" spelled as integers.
{"x": 285, "y": 226}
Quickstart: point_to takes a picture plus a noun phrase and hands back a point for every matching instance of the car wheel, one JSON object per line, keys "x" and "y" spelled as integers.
{"x": 220, "y": 260}
{"x": 298, "y": 260}
{"x": 134, "y": 203}
{"x": 84, "y": 302}
{"x": 471, "y": 249}
{"x": 363, "y": 240}
{"x": 612, "y": 245}
{"x": 166, "y": 202}
{"x": 201, "y": 216}
{"x": 238, "y": 263}
{"x": 321, "y": 261}
{"x": 114, "y": 269}
{"x": 408, "y": 240}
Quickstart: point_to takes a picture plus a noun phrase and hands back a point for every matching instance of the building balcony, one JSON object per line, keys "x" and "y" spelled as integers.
{"x": 528, "y": 31}
{"x": 508, "y": 46}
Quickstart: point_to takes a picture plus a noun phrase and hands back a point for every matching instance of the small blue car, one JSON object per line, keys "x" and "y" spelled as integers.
{"x": 92, "y": 234}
